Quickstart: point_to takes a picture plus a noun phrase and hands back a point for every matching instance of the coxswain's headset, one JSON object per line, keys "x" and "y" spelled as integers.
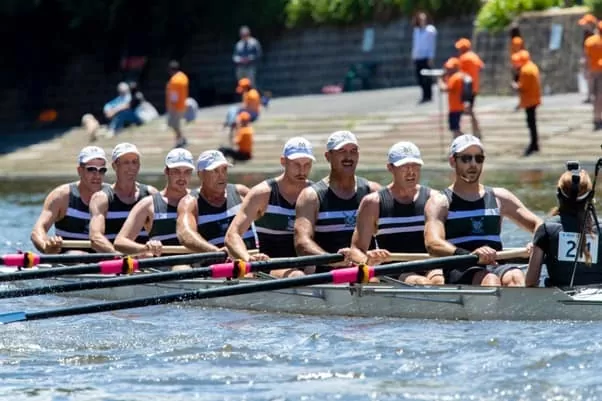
{"x": 573, "y": 196}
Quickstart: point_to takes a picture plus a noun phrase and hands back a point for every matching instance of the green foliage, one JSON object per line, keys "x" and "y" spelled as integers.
{"x": 495, "y": 15}
{"x": 335, "y": 12}
{"x": 595, "y": 7}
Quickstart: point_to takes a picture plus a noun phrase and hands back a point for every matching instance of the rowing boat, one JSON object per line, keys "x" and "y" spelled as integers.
{"x": 388, "y": 299}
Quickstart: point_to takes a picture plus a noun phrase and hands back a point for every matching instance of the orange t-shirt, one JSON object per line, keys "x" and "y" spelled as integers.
{"x": 176, "y": 92}
{"x": 251, "y": 100}
{"x": 455, "y": 83}
{"x": 244, "y": 139}
{"x": 593, "y": 50}
{"x": 471, "y": 64}
{"x": 529, "y": 86}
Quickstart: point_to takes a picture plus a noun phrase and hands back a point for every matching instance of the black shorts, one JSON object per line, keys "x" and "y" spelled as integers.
{"x": 453, "y": 119}
{"x": 465, "y": 276}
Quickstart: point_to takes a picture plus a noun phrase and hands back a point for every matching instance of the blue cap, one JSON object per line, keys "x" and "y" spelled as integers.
{"x": 211, "y": 159}
{"x": 90, "y": 153}
{"x": 179, "y": 158}
{"x": 404, "y": 153}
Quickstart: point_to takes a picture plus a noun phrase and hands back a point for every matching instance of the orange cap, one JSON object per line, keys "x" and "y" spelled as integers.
{"x": 520, "y": 58}
{"x": 243, "y": 117}
{"x": 463, "y": 44}
{"x": 452, "y": 63}
{"x": 588, "y": 19}
{"x": 243, "y": 84}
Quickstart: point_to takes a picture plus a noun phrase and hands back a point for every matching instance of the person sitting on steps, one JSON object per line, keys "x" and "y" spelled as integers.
{"x": 243, "y": 139}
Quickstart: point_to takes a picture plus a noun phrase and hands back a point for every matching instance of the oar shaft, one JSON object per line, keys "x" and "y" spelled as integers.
{"x": 512, "y": 253}
{"x": 345, "y": 275}
{"x": 166, "y": 249}
{"x": 114, "y": 266}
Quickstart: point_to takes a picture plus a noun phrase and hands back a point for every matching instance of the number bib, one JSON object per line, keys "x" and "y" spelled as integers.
{"x": 568, "y": 244}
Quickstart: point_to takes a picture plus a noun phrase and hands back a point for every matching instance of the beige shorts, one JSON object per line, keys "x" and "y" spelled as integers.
{"x": 174, "y": 119}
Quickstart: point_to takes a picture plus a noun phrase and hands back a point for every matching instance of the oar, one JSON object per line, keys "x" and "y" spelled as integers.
{"x": 224, "y": 270}
{"x": 359, "y": 274}
{"x": 30, "y": 259}
{"x": 166, "y": 249}
{"x": 126, "y": 265}
{"x": 508, "y": 254}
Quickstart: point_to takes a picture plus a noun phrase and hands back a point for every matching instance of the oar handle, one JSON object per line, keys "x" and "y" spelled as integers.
{"x": 512, "y": 253}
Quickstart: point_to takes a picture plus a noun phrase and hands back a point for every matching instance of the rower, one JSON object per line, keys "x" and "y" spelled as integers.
{"x": 157, "y": 213}
{"x": 205, "y": 214}
{"x": 66, "y": 206}
{"x": 271, "y": 205}
{"x": 326, "y": 211}
{"x": 110, "y": 207}
{"x": 571, "y": 230}
{"x": 467, "y": 218}
{"x": 395, "y": 215}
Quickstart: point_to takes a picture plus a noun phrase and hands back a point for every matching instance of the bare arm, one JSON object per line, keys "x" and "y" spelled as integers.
{"x": 534, "y": 269}
{"x": 374, "y": 186}
{"x": 242, "y": 190}
{"x": 99, "y": 205}
{"x": 141, "y": 215}
{"x": 366, "y": 223}
{"x": 186, "y": 227}
{"x": 151, "y": 189}
{"x": 55, "y": 207}
{"x": 435, "y": 215}
{"x": 306, "y": 212}
{"x": 513, "y": 208}
{"x": 253, "y": 207}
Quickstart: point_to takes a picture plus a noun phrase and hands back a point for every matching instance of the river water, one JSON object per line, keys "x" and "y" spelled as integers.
{"x": 191, "y": 353}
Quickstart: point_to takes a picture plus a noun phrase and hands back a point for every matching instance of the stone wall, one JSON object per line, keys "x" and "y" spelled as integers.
{"x": 558, "y": 67}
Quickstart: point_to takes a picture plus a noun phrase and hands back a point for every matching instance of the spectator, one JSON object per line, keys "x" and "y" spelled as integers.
{"x": 529, "y": 89}
{"x": 453, "y": 83}
{"x": 424, "y": 42}
{"x": 243, "y": 140}
{"x": 119, "y": 112}
{"x": 247, "y": 53}
{"x": 588, "y": 22}
{"x": 471, "y": 64}
{"x": 593, "y": 54}
{"x": 143, "y": 109}
{"x": 251, "y": 103}
{"x": 176, "y": 94}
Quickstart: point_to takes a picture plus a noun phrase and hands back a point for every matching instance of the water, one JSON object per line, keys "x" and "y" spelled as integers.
{"x": 191, "y": 353}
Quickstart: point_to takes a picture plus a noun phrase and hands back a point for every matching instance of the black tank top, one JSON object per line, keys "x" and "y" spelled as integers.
{"x": 118, "y": 212}
{"x": 275, "y": 229}
{"x": 164, "y": 221}
{"x": 401, "y": 226}
{"x": 336, "y": 216}
{"x": 471, "y": 225}
{"x": 213, "y": 222}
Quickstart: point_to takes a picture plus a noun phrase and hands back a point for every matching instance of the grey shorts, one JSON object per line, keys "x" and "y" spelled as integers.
{"x": 465, "y": 276}
{"x": 174, "y": 119}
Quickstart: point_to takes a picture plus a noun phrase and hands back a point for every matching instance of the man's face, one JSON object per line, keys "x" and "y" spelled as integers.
{"x": 178, "y": 178}
{"x": 407, "y": 175}
{"x": 92, "y": 173}
{"x": 127, "y": 167}
{"x": 345, "y": 159}
{"x": 216, "y": 179}
{"x": 468, "y": 164}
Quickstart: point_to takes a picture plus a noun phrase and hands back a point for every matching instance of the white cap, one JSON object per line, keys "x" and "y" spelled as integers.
{"x": 179, "y": 158}
{"x": 339, "y": 139}
{"x": 210, "y": 160}
{"x": 463, "y": 142}
{"x": 124, "y": 148}
{"x": 90, "y": 153}
{"x": 123, "y": 87}
{"x": 403, "y": 153}
{"x": 298, "y": 147}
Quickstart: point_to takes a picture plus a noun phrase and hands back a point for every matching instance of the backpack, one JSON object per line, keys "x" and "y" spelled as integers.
{"x": 466, "y": 88}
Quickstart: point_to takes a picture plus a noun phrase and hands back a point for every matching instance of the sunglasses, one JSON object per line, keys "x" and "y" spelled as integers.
{"x": 479, "y": 159}
{"x": 94, "y": 169}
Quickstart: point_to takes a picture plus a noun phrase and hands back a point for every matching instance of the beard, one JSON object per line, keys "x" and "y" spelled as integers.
{"x": 470, "y": 177}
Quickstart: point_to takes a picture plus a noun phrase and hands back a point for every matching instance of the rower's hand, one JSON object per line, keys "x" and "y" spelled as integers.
{"x": 377, "y": 256}
{"x": 53, "y": 244}
{"x": 529, "y": 247}
{"x": 346, "y": 252}
{"x": 486, "y": 255}
{"x": 154, "y": 247}
{"x": 258, "y": 257}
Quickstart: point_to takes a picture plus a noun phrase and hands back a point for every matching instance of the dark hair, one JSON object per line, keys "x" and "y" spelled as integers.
{"x": 417, "y": 14}
{"x": 514, "y": 30}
